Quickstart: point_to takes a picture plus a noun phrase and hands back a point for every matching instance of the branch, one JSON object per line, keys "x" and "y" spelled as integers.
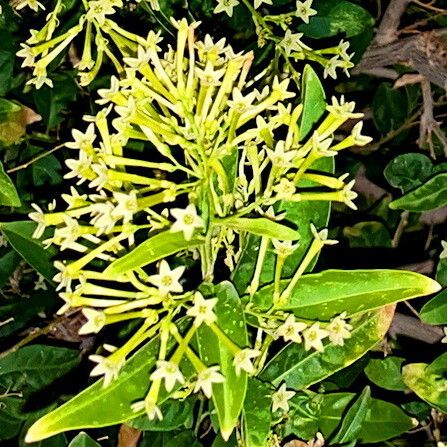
{"x": 387, "y": 31}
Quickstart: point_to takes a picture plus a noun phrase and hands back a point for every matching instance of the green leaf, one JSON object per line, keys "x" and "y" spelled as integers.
{"x": 10, "y": 419}
{"x": 153, "y": 249}
{"x": 8, "y": 264}
{"x": 337, "y": 17}
{"x": 321, "y": 296}
{"x": 435, "y": 311}
{"x": 261, "y": 227}
{"x": 52, "y": 102}
{"x": 257, "y": 413}
{"x": 407, "y": 171}
{"x": 176, "y": 414}
{"x": 386, "y": 373}
{"x": 428, "y": 385}
{"x": 313, "y": 100}
{"x": 83, "y": 440}
{"x": 299, "y": 368}
{"x": 114, "y": 401}
{"x": 228, "y": 397}
{"x": 19, "y": 235}
{"x": 368, "y": 234}
{"x": 383, "y": 420}
{"x": 183, "y": 439}
{"x": 430, "y": 195}
{"x": 352, "y": 422}
{"x": 34, "y": 367}
{"x": 8, "y": 48}
{"x": 8, "y": 192}
{"x": 390, "y": 108}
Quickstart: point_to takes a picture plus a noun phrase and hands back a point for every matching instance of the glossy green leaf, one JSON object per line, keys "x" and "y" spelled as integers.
{"x": 331, "y": 292}
{"x": 368, "y": 234}
{"x": 428, "y": 385}
{"x": 435, "y": 311}
{"x": 83, "y": 440}
{"x": 10, "y": 419}
{"x": 186, "y": 438}
{"x": 114, "y": 401}
{"x": 153, "y": 249}
{"x": 352, "y": 422}
{"x": 8, "y": 192}
{"x": 383, "y": 420}
{"x": 32, "y": 368}
{"x": 19, "y": 235}
{"x": 299, "y": 368}
{"x": 386, "y": 373}
{"x": 261, "y": 227}
{"x": 257, "y": 413}
{"x": 432, "y": 194}
{"x": 407, "y": 171}
{"x": 228, "y": 397}
{"x": 313, "y": 100}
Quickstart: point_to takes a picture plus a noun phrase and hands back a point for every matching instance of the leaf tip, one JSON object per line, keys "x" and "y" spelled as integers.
{"x": 36, "y": 432}
{"x": 226, "y": 433}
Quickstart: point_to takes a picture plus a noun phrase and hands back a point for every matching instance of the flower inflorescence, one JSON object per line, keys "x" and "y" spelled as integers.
{"x": 216, "y": 161}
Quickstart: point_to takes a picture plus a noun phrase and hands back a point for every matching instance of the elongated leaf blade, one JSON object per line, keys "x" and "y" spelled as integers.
{"x": 313, "y": 99}
{"x": 299, "y": 368}
{"x": 323, "y": 295}
{"x": 228, "y": 397}
{"x": 153, "y": 249}
{"x": 257, "y": 413}
{"x": 19, "y": 235}
{"x": 353, "y": 421}
{"x": 97, "y": 406}
{"x": 262, "y": 227}
{"x": 8, "y": 192}
{"x": 432, "y": 194}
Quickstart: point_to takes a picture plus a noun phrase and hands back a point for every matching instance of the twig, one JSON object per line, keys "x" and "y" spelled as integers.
{"x": 400, "y": 229}
{"x": 387, "y": 31}
{"x": 414, "y": 328}
{"x": 36, "y": 158}
{"x": 32, "y": 336}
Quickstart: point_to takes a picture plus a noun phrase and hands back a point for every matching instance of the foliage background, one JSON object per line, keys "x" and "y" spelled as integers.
{"x": 407, "y": 150}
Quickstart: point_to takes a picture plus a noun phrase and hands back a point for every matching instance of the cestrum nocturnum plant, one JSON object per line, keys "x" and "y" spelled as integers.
{"x": 144, "y": 234}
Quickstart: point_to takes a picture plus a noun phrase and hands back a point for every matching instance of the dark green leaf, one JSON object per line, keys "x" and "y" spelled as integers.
{"x": 8, "y": 263}
{"x": 19, "y": 235}
{"x": 352, "y": 423}
{"x": 34, "y": 367}
{"x": 367, "y": 234}
{"x": 407, "y": 171}
{"x": 390, "y": 108}
{"x": 386, "y": 373}
{"x": 430, "y": 195}
{"x": 176, "y": 414}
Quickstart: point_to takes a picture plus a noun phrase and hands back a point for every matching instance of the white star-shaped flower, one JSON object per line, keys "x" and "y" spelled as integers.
{"x": 206, "y": 378}
{"x": 291, "y": 329}
{"x": 304, "y": 10}
{"x": 167, "y": 280}
{"x": 226, "y": 6}
{"x": 281, "y": 397}
{"x": 313, "y": 337}
{"x": 202, "y": 310}
{"x": 95, "y": 321}
{"x": 443, "y": 254}
{"x": 242, "y": 360}
{"x": 258, "y": 3}
{"x": 169, "y": 372}
{"x": 187, "y": 220}
{"x": 339, "y": 329}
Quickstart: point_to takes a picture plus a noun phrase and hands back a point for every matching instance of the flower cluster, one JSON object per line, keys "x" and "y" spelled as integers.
{"x": 216, "y": 160}
{"x": 289, "y": 44}
{"x": 44, "y": 46}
